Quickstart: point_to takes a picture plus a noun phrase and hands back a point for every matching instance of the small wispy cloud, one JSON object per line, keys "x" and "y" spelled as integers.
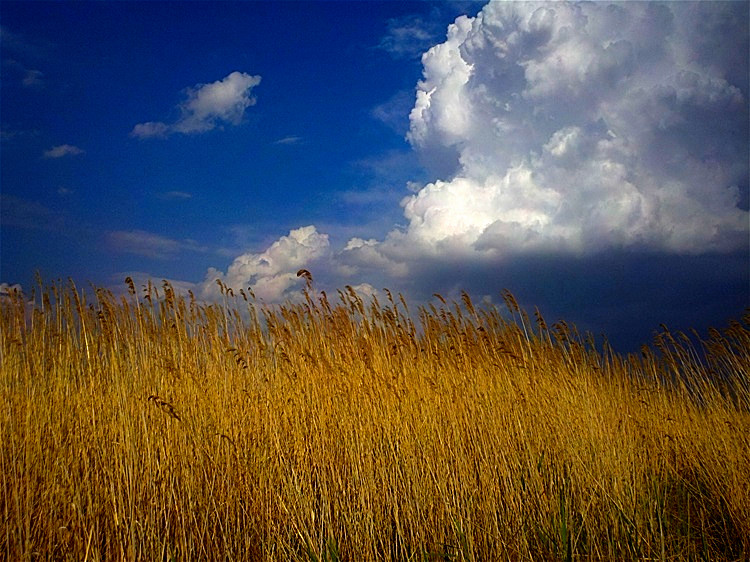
{"x": 149, "y": 244}
{"x": 26, "y": 214}
{"x": 20, "y": 55}
{"x": 174, "y": 195}
{"x": 408, "y": 37}
{"x": 30, "y": 77}
{"x": 207, "y": 106}
{"x": 23, "y": 46}
{"x": 289, "y": 140}
{"x": 33, "y": 78}
{"x": 394, "y": 112}
{"x": 7, "y": 135}
{"x": 63, "y": 150}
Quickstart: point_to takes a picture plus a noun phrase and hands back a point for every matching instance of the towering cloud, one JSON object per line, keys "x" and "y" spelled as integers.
{"x": 206, "y": 107}
{"x": 555, "y": 131}
{"x": 580, "y": 127}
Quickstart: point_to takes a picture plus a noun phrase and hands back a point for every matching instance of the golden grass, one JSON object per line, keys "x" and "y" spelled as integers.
{"x": 152, "y": 427}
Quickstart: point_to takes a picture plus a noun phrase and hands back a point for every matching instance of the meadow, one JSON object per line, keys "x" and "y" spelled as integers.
{"x": 151, "y": 426}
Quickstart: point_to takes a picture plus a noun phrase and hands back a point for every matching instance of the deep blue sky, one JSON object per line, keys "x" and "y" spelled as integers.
{"x": 590, "y": 158}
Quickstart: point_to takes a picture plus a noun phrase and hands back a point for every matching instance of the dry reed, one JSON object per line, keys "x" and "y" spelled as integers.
{"x": 153, "y": 427}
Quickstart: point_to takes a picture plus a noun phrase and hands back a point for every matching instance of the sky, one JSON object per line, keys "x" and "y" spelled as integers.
{"x": 592, "y": 158}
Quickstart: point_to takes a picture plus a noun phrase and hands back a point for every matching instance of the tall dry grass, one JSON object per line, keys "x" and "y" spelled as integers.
{"x": 153, "y": 427}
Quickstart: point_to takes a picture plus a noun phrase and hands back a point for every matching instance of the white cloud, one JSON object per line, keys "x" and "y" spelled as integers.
{"x": 289, "y": 140}
{"x": 580, "y": 127}
{"x": 7, "y": 289}
{"x": 440, "y": 110}
{"x": 207, "y": 106}
{"x": 33, "y": 78}
{"x": 63, "y": 150}
{"x": 365, "y": 290}
{"x": 223, "y": 100}
{"x": 273, "y": 272}
{"x": 174, "y": 195}
{"x": 553, "y": 130}
{"x": 367, "y": 255}
{"x": 150, "y": 129}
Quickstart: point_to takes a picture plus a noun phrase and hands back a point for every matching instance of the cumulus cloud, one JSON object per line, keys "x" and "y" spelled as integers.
{"x": 150, "y": 129}
{"x": 368, "y": 255}
{"x": 582, "y": 127}
{"x": 561, "y": 140}
{"x": 273, "y": 272}
{"x": 6, "y": 289}
{"x": 206, "y": 107}
{"x": 63, "y": 150}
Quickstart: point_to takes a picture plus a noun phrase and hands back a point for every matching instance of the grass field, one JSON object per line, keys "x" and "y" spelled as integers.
{"x": 152, "y": 427}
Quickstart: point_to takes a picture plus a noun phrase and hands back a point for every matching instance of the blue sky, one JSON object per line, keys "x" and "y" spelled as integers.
{"x": 591, "y": 158}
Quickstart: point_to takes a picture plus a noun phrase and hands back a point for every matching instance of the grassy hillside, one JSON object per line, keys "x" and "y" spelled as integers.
{"x": 152, "y": 427}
